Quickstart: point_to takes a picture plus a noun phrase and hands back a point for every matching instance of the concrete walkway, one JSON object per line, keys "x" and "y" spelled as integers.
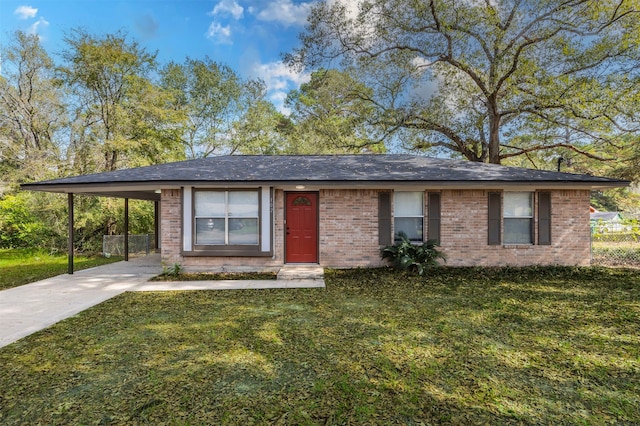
{"x": 33, "y": 307}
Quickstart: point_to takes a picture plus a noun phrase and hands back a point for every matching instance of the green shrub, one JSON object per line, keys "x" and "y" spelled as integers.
{"x": 174, "y": 270}
{"x": 20, "y": 227}
{"x": 407, "y": 256}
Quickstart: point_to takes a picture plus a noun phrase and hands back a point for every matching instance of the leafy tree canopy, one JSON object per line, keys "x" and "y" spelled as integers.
{"x": 210, "y": 95}
{"x": 488, "y": 80}
{"x": 119, "y": 114}
{"x": 333, "y": 114}
{"x": 31, "y": 111}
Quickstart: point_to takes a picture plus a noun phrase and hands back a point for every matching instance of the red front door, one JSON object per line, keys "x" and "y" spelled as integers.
{"x": 301, "y": 227}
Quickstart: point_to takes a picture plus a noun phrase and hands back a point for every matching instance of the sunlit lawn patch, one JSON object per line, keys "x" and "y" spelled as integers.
{"x": 19, "y": 267}
{"x": 462, "y": 346}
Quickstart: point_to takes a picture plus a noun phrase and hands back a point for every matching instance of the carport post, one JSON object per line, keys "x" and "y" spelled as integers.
{"x": 156, "y": 225}
{"x": 70, "y": 241}
{"x": 126, "y": 229}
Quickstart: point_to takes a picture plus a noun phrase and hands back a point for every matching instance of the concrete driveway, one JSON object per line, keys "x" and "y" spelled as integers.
{"x": 33, "y": 307}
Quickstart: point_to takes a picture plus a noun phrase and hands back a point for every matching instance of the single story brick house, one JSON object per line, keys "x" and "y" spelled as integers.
{"x": 338, "y": 210}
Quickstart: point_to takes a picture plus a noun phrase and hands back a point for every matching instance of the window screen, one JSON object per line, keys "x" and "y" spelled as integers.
{"x": 409, "y": 214}
{"x": 518, "y": 218}
{"x": 226, "y": 217}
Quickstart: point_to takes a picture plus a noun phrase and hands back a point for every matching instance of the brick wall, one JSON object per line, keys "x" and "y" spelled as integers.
{"x": 349, "y": 228}
{"x": 464, "y": 232}
{"x": 221, "y": 263}
{"x": 171, "y": 226}
{"x": 348, "y": 234}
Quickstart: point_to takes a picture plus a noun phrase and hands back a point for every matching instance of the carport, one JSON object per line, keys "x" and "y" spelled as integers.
{"x": 75, "y": 185}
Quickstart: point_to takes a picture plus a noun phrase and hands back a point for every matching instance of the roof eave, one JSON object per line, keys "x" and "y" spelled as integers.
{"x": 148, "y": 190}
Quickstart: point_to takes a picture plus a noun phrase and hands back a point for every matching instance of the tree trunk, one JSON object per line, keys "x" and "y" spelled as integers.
{"x": 494, "y": 135}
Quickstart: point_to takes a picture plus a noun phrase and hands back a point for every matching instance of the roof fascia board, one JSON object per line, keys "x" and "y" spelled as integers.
{"x": 146, "y": 196}
{"x": 102, "y": 188}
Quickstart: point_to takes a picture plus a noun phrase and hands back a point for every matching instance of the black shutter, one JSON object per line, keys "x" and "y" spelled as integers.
{"x": 434, "y": 217}
{"x": 384, "y": 218}
{"x": 544, "y": 218}
{"x": 495, "y": 216}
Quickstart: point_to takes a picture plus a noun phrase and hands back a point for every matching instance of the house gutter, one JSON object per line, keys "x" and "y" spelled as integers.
{"x": 147, "y": 189}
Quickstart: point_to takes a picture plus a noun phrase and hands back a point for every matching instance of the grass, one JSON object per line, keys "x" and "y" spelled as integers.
{"x": 19, "y": 266}
{"x": 462, "y": 346}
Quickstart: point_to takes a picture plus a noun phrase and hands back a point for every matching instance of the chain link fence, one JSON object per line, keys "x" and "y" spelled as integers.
{"x": 113, "y": 245}
{"x": 619, "y": 247}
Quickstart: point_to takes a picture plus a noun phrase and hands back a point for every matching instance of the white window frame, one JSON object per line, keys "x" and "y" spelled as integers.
{"x": 266, "y": 225}
{"x": 396, "y": 216}
{"x": 226, "y": 216}
{"x": 530, "y": 217}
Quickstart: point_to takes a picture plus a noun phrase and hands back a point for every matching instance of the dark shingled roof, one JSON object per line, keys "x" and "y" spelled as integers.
{"x": 322, "y": 169}
{"x": 604, "y": 215}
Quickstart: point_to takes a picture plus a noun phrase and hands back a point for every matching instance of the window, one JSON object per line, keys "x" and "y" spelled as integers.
{"x": 518, "y": 218}
{"x": 224, "y": 218}
{"x": 408, "y": 214}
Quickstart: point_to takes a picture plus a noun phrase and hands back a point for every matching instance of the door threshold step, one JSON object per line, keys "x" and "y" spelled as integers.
{"x": 301, "y": 272}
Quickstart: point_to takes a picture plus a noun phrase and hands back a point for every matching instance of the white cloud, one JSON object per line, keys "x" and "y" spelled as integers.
{"x": 224, "y": 8}
{"x": 420, "y": 62}
{"x": 228, "y": 7}
{"x": 285, "y": 12}
{"x": 279, "y": 79}
{"x": 351, "y": 6}
{"x": 425, "y": 87}
{"x": 277, "y": 99}
{"x": 219, "y": 33}
{"x": 481, "y": 3}
{"x": 38, "y": 26}
{"x": 424, "y": 90}
{"x": 26, "y": 12}
{"x": 278, "y": 75}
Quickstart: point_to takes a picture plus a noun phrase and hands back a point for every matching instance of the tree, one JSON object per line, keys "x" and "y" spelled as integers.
{"x": 153, "y": 126}
{"x": 332, "y": 114}
{"x": 481, "y": 78}
{"x": 118, "y": 113}
{"x": 262, "y": 130}
{"x": 210, "y": 95}
{"x": 31, "y": 111}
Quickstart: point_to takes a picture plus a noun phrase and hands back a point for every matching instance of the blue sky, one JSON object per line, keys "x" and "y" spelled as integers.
{"x": 247, "y": 35}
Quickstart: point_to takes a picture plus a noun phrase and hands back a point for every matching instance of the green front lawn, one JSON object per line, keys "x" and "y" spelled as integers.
{"x": 464, "y": 346}
{"x": 18, "y": 266}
